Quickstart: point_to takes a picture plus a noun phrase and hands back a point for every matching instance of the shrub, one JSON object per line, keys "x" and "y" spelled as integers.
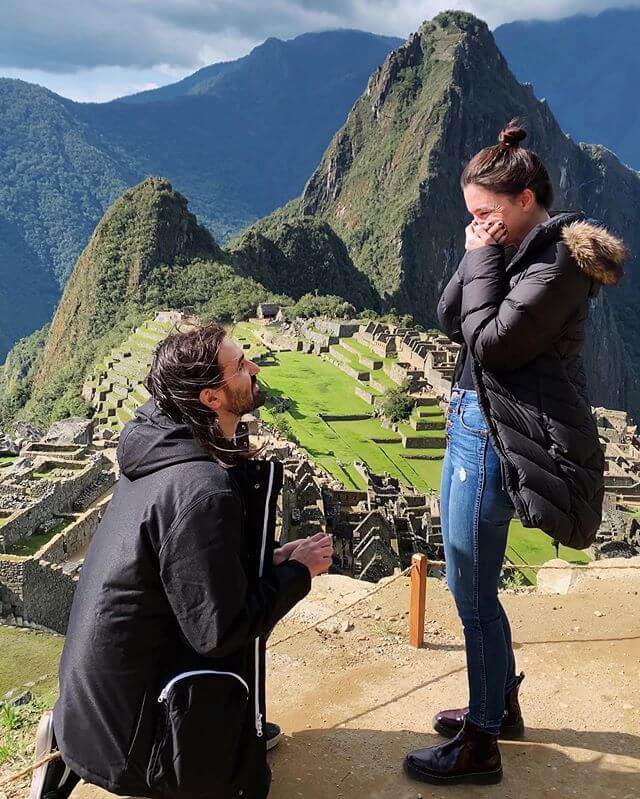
{"x": 397, "y": 404}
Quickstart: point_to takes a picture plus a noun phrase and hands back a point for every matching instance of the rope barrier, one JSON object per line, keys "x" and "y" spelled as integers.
{"x": 438, "y": 563}
{"x": 358, "y": 601}
{"x": 26, "y": 771}
{"x": 517, "y": 566}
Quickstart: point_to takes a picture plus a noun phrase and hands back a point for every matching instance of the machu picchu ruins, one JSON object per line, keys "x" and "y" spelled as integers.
{"x": 54, "y": 487}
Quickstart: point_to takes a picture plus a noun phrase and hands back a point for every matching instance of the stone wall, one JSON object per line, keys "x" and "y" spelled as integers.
{"x": 25, "y": 522}
{"x": 48, "y": 594}
{"x": 74, "y": 538}
{"x": 36, "y": 590}
{"x": 11, "y": 583}
{"x": 57, "y": 499}
{"x": 337, "y": 327}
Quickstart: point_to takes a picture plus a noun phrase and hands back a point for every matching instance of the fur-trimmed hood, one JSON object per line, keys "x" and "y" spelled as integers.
{"x": 598, "y": 252}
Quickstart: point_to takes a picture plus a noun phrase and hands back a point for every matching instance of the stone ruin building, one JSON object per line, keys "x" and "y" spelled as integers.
{"x": 52, "y": 495}
{"x": 375, "y": 531}
{"x": 424, "y": 360}
{"x": 619, "y": 533}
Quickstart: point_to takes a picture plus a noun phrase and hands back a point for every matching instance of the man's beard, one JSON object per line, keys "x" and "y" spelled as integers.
{"x": 240, "y": 403}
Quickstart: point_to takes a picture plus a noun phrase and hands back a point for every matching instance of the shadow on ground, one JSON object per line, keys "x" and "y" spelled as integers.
{"x": 328, "y": 763}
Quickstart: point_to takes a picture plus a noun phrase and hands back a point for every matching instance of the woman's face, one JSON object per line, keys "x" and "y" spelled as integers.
{"x": 518, "y": 212}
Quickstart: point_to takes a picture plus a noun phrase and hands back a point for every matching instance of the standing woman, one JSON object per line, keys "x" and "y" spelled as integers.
{"x": 520, "y": 433}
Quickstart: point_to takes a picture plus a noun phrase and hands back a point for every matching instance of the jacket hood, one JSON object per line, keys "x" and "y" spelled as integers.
{"x": 152, "y": 440}
{"x": 598, "y": 252}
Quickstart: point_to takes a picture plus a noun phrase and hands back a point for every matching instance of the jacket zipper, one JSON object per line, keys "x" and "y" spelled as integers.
{"x": 263, "y": 549}
{"x": 165, "y": 691}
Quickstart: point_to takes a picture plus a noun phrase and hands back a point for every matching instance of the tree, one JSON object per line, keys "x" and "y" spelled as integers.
{"x": 397, "y": 404}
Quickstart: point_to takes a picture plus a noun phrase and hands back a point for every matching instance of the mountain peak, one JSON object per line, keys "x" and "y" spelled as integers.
{"x": 148, "y": 227}
{"x": 462, "y": 20}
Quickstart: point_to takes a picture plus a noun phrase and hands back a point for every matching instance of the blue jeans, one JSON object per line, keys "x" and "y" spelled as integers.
{"x": 475, "y": 512}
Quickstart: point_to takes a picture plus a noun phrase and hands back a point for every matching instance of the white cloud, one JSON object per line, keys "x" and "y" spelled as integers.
{"x": 96, "y": 51}
{"x": 95, "y": 85}
{"x": 71, "y": 35}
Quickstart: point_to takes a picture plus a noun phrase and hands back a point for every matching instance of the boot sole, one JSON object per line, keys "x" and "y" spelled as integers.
{"x": 44, "y": 740}
{"x": 475, "y": 778}
{"x": 507, "y": 734}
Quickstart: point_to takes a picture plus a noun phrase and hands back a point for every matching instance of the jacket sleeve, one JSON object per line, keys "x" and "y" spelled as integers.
{"x": 206, "y": 584}
{"x": 450, "y": 308}
{"x": 505, "y": 329}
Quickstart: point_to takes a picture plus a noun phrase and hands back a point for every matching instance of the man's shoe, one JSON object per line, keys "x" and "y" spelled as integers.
{"x": 471, "y": 757}
{"x": 449, "y": 722}
{"x": 274, "y": 735}
{"x": 53, "y": 780}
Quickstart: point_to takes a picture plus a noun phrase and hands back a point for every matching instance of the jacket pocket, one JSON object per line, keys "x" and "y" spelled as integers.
{"x": 200, "y": 736}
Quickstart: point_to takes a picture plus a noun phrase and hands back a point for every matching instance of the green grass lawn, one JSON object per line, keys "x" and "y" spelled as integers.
{"x": 407, "y": 430}
{"x": 26, "y": 656}
{"x": 382, "y": 378}
{"x": 527, "y": 545}
{"x": 316, "y": 386}
{"x": 245, "y": 333}
{"x": 368, "y": 352}
{"x": 30, "y": 545}
{"x": 319, "y": 387}
{"x": 429, "y": 411}
{"x": 347, "y": 357}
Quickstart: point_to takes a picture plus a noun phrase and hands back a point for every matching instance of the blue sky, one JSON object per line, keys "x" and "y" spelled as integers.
{"x": 95, "y": 50}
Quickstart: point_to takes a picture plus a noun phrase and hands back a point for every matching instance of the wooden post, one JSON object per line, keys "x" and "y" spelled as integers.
{"x": 419, "y": 568}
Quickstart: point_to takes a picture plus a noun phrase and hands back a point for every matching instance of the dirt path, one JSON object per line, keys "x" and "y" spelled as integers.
{"x": 353, "y": 703}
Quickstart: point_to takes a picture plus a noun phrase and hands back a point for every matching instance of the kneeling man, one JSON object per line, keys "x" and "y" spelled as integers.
{"x": 162, "y": 675}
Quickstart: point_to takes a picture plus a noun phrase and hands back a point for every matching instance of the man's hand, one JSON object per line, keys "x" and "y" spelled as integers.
{"x": 316, "y": 553}
{"x": 481, "y": 234}
{"x": 284, "y": 552}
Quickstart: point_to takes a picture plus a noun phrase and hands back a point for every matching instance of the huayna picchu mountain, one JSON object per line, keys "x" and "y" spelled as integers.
{"x": 388, "y": 185}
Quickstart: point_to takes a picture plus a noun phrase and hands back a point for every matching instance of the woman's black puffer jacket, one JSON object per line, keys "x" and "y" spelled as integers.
{"x": 523, "y": 322}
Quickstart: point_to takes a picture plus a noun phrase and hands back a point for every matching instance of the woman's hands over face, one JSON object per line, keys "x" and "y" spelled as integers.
{"x": 481, "y": 234}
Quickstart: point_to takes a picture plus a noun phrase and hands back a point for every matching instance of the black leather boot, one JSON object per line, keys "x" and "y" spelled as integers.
{"x": 449, "y": 722}
{"x": 472, "y": 757}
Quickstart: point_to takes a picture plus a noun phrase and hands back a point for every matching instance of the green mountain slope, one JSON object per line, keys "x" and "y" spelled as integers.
{"x": 238, "y": 138}
{"x": 300, "y": 255}
{"x": 388, "y": 184}
{"x": 55, "y": 180}
{"x": 147, "y": 253}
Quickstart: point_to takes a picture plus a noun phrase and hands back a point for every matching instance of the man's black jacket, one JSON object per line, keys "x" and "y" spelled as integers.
{"x": 162, "y": 674}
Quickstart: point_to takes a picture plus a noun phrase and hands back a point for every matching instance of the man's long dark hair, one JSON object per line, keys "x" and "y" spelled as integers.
{"x": 184, "y": 363}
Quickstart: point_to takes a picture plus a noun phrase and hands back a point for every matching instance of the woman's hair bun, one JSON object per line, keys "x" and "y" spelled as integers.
{"x": 512, "y": 134}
